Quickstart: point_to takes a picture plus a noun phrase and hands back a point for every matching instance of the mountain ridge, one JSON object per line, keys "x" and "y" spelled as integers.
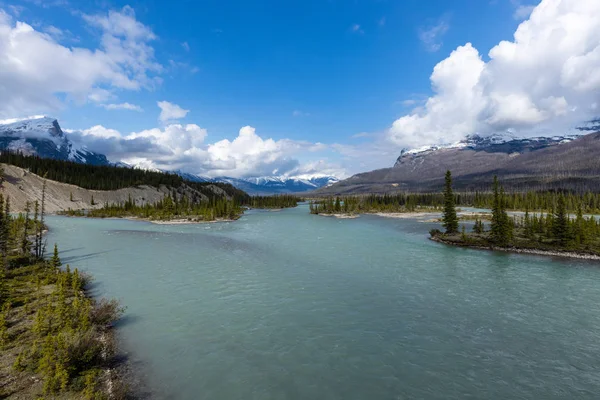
{"x": 558, "y": 162}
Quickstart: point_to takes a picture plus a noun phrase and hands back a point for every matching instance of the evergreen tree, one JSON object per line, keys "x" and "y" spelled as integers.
{"x": 500, "y": 221}
{"x": 449, "y": 218}
{"x": 55, "y": 260}
{"x": 478, "y": 226}
{"x": 560, "y": 224}
{"x": 338, "y": 205}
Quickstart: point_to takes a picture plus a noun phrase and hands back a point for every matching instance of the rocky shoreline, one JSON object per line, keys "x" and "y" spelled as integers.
{"x": 516, "y": 250}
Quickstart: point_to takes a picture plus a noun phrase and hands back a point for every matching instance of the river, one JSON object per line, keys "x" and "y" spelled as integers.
{"x": 288, "y": 305}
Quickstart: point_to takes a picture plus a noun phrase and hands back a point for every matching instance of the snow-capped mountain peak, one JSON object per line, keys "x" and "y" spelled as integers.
{"x": 43, "y": 136}
{"x": 496, "y": 143}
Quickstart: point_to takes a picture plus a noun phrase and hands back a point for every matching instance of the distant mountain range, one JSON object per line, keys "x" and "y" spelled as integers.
{"x": 560, "y": 162}
{"x": 44, "y": 137}
{"x": 267, "y": 185}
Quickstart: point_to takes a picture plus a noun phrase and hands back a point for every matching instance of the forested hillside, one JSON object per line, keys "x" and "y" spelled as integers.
{"x": 113, "y": 178}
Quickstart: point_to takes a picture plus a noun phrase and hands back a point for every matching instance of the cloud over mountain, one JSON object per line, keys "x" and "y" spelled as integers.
{"x": 184, "y": 147}
{"x": 546, "y": 79}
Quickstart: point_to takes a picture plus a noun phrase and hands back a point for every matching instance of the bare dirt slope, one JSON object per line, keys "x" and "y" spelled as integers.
{"x": 23, "y": 186}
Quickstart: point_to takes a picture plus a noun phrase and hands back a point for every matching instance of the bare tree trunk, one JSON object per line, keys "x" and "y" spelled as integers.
{"x": 42, "y": 248}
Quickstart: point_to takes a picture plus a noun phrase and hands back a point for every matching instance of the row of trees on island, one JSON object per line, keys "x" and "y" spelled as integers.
{"x": 180, "y": 205}
{"x": 556, "y": 228}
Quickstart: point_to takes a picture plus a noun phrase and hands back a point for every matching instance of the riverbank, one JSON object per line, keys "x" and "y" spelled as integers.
{"x": 518, "y": 250}
{"x": 55, "y": 339}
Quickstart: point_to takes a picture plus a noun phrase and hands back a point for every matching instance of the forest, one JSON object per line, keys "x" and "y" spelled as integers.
{"x": 54, "y": 339}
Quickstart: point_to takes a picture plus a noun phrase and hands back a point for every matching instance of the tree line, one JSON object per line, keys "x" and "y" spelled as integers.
{"x": 545, "y": 201}
{"x": 554, "y": 229}
{"x": 276, "y": 201}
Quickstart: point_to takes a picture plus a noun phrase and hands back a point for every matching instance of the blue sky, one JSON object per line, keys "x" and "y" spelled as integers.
{"x": 338, "y": 73}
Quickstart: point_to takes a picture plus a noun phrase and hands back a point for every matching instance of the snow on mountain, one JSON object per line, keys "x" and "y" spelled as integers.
{"x": 266, "y": 185}
{"x": 43, "y": 136}
{"x": 499, "y": 141}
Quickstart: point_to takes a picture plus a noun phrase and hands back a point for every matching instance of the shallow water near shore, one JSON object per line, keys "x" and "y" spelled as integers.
{"x": 289, "y": 305}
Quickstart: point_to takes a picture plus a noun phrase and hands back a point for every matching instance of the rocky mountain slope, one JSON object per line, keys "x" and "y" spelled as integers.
{"x": 43, "y": 136}
{"x": 23, "y": 186}
{"x": 566, "y": 162}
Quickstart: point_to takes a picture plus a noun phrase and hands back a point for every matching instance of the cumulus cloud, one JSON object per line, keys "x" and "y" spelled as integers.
{"x": 184, "y": 147}
{"x": 170, "y": 111}
{"x": 546, "y": 80}
{"x": 36, "y": 72}
{"x": 122, "y": 106}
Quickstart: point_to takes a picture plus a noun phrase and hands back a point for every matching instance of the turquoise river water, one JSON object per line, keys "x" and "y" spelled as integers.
{"x": 287, "y": 305}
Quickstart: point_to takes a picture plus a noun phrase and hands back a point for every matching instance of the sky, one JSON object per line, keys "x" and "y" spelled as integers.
{"x": 296, "y": 88}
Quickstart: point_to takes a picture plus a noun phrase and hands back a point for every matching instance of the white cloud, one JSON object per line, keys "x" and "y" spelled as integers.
{"x": 122, "y": 106}
{"x": 185, "y": 46}
{"x": 170, "y": 111}
{"x": 184, "y": 147}
{"x": 544, "y": 81}
{"x": 431, "y": 37}
{"x": 36, "y": 71}
{"x": 100, "y": 132}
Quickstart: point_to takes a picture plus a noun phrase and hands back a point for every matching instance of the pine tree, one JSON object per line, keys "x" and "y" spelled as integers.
{"x": 478, "y": 226}
{"x": 500, "y": 221}
{"x": 560, "y": 226}
{"x": 55, "y": 260}
{"x": 338, "y": 205}
{"x": 449, "y": 218}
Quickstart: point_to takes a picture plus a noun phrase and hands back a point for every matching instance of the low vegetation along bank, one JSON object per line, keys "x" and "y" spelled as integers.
{"x": 55, "y": 341}
{"x": 554, "y": 233}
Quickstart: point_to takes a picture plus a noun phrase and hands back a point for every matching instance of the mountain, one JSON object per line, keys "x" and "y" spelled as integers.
{"x": 43, "y": 136}
{"x": 559, "y": 162}
{"x": 268, "y": 185}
